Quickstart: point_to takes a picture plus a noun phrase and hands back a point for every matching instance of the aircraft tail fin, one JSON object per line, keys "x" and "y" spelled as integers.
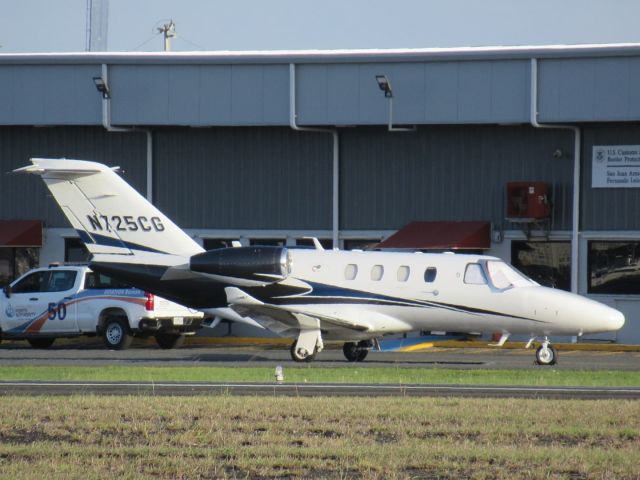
{"x": 108, "y": 214}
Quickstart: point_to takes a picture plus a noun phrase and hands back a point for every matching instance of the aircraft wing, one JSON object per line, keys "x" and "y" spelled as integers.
{"x": 291, "y": 317}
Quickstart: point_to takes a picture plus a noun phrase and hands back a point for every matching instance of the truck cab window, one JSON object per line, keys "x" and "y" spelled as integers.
{"x": 34, "y": 282}
{"x": 61, "y": 281}
{"x": 95, "y": 280}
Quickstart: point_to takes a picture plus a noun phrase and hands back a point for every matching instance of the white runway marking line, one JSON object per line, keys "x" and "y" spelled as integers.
{"x": 332, "y": 386}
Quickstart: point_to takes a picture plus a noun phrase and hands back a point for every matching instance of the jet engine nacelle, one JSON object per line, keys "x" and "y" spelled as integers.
{"x": 262, "y": 264}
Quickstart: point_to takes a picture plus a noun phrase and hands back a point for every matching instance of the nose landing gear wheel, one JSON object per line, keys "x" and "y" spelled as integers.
{"x": 298, "y": 356}
{"x": 546, "y": 355}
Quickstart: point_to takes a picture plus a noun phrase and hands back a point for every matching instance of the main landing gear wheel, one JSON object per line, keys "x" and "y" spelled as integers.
{"x": 354, "y": 352}
{"x": 546, "y": 355}
{"x": 167, "y": 341}
{"x": 298, "y": 356}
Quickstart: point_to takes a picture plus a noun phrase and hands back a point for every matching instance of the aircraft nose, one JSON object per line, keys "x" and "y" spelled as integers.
{"x": 615, "y": 319}
{"x": 569, "y": 312}
{"x": 605, "y": 318}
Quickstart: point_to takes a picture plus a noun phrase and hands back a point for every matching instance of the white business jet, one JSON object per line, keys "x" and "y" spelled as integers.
{"x": 311, "y": 295}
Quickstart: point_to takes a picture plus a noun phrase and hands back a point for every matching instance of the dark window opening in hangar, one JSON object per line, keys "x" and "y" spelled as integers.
{"x": 326, "y": 243}
{"x": 20, "y": 242}
{"x": 75, "y": 251}
{"x": 216, "y": 243}
{"x": 548, "y": 263}
{"x": 360, "y": 244}
{"x": 15, "y": 262}
{"x": 268, "y": 242}
{"x": 614, "y": 267}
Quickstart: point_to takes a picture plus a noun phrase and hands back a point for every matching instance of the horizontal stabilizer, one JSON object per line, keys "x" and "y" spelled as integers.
{"x": 108, "y": 214}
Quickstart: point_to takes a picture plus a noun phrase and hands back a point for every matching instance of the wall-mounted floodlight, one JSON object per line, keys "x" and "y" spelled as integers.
{"x": 102, "y": 87}
{"x": 385, "y": 85}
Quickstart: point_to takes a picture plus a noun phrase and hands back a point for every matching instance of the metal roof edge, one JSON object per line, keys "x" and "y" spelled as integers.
{"x": 327, "y": 56}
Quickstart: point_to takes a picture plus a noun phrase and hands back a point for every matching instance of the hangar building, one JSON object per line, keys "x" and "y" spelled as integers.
{"x": 531, "y": 154}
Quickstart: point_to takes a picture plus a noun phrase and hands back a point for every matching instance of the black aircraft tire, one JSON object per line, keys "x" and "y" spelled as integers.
{"x": 41, "y": 342}
{"x": 546, "y": 357}
{"x": 362, "y": 354}
{"x": 297, "y": 358}
{"x": 167, "y": 341}
{"x": 351, "y": 352}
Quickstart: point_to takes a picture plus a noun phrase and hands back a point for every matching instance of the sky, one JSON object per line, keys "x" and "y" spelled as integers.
{"x": 209, "y": 25}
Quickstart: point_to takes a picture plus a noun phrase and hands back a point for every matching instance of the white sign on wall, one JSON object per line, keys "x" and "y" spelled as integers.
{"x": 615, "y": 166}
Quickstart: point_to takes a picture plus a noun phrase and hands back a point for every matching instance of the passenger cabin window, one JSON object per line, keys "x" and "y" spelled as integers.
{"x": 351, "y": 271}
{"x": 430, "y": 274}
{"x": 403, "y": 273}
{"x": 473, "y": 275}
{"x": 377, "y": 272}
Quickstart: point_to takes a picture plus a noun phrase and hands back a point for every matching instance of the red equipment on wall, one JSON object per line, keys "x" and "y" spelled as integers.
{"x": 528, "y": 200}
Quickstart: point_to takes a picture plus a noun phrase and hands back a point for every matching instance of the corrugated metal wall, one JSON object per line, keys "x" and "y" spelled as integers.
{"x": 608, "y": 208}
{"x": 26, "y": 197}
{"x": 589, "y": 89}
{"x": 49, "y": 95}
{"x": 200, "y": 94}
{"x": 448, "y": 173}
{"x": 424, "y": 93}
{"x": 251, "y": 178}
{"x": 201, "y": 91}
{"x": 276, "y": 178}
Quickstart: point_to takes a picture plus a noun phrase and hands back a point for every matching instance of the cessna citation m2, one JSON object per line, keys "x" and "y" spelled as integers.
{"x": 311, "y": 295}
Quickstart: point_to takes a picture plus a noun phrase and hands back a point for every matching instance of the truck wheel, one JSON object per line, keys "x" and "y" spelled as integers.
{"x": 169, "y": 340}
{"x": 116, "y": 333}
{"x": 41, "y": 342}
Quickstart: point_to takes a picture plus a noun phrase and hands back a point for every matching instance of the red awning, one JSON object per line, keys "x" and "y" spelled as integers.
{"x": 20, "y": 233}
{"x": 441, "y": 236}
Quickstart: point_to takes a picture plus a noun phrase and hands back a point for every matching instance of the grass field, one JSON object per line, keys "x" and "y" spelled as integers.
{"x": 256, "y": 437}
{"x": 314, "y": 374}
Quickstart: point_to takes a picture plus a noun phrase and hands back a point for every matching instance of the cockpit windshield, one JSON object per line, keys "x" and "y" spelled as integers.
{"x": 503, "y": 276}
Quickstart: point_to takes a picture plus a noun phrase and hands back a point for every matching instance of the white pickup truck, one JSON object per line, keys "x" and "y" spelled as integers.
{"x": 71, "y": 300}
